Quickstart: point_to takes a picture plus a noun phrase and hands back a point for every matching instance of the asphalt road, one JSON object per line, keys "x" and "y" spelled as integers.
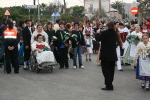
{"x": 71, "y": 84}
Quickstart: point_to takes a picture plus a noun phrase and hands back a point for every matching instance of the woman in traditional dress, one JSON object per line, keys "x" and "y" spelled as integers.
{"x": 144, "y": 28}
{"x": 135, "y": 38}
{"x": 142, "y": 62}
{"x": 42, "y": 51}
{"x": 87, "y": 29}
{"x": 123, "y": 33}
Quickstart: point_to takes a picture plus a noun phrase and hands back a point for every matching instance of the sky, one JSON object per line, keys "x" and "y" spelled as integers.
{"x": 30, "y": 2}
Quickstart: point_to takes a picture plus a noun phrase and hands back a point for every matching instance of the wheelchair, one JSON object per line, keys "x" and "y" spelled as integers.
{"x": 34, "y": 66}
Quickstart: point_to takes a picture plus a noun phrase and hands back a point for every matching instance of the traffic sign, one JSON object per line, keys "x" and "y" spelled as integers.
{"x": 7, "y": 13}
{"x": 134, "y": 10}
{"x": 31, "y": 6}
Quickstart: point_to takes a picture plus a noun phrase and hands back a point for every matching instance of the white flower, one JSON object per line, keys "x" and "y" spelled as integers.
{"x": 54, "y": 37}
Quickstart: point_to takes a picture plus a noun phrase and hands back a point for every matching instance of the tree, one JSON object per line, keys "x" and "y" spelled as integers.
{"x": 120, "y": 7}
{"x": 76, "y": 12}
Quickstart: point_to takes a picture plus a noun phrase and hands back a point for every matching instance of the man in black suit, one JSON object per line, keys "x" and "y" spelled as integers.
{"x": 27, "y": 33}
{"x": 108, "y": 54}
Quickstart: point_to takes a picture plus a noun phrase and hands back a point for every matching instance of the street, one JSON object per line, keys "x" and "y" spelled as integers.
{"x": 71, "y": 84}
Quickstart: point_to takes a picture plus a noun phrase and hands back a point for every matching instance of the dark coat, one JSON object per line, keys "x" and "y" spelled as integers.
{"x": 26, "y": 36}
{"x": 50, "y": 34}
{"x": 80, "y": 39}
{"x": 60, "y": 39}
{"x": 108, "y": 40}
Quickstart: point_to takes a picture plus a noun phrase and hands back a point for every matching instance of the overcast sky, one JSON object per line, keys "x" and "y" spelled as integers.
{"x": 30, "y": 2}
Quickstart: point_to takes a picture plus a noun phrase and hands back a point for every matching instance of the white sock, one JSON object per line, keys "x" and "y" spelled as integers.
{"x": 25, "y": 66}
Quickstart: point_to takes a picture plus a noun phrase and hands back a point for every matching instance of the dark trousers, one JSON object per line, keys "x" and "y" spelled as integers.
{"x": 121, "y": 51}
{"x": 56, "y": 54}
{"x": 108, "y": 69}
{"x": 12, "y": 57}
{"x": 27, "y": 54}
{"x": 71, "y": 55}
{"x": 63, "y": 54}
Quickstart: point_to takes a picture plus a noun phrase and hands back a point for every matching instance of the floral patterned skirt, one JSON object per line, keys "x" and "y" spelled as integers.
{"x": 127, "y": 58}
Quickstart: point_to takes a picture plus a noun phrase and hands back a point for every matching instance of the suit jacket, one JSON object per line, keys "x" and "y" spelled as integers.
{"x": 108, "y": 40}
{"x": 26, "y": 36}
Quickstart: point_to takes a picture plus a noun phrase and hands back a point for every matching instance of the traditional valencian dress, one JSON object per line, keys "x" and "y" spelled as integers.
{"x": 143, "y": 66}
{"x": 133, "y": 44}
{"x": 46, "y": 56}
{"x": 144, "y": 31}
{"x": 131, "y": 51}
{"x": 123, "y": 34}
{"x": 87, "y": 31}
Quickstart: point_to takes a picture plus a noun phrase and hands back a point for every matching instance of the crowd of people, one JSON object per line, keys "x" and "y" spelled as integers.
{"x": 119, "y": 42}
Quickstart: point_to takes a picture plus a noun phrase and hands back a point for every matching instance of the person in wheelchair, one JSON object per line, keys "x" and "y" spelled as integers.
{"x": 41, "y": 51}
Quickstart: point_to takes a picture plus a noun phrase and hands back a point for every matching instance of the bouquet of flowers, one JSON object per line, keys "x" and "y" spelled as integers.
{"x": 45, "y": 49}
{"x": 148, "y": 51}
{"x": 134, "y": 39}
{"x": 129, "y": 38}
{"x": 66, "y": 36}
{"x": 74, "y": 36}
{"x": 54, "y": 38}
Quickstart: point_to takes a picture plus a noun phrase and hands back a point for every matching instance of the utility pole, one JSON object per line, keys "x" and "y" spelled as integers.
{"x": 34, "y": 3}
{"x": 38, "y": 11}
{"x": 139, "y": 12}
{"x": 122, "y": 8}
{"x": 65, "y": 10}
{"x": 99, "y": 10}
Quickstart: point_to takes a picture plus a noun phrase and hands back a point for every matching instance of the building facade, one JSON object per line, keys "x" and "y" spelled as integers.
{"x": 93, "y": 6}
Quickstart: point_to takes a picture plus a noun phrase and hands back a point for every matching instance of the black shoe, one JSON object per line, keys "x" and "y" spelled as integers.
{"x": 147, "y": 88}
{"x": 134, "y": 67}
{"x": 61, "y": 68}
{"x": 107, "y": 89}
{"x": 121, "y": 70}
{"x": 142, "y": 85}
{"x": 25, "y": 68}
{"x": 16, "y": 72}
{"x": 90, "y": 60}
{"x": 67, "y": 67}
{"x": 86, "y": 59}
{"x": 8, "y": 72}
{"x": 127, "y": 64}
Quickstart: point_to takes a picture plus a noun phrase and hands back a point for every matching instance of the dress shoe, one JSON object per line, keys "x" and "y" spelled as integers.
{"x": 16, "y": 72}
{"x": 107, "y": 89}
{"x": 121, "y": 70}
{"x": 8, "y": 72}
{"x": 127, "y": 64}
{"x": 25, "y": 68}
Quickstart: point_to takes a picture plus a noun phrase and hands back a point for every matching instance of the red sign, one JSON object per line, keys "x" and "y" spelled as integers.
{"x": 134, "y": 10}
{"x": 7, "y": 13}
